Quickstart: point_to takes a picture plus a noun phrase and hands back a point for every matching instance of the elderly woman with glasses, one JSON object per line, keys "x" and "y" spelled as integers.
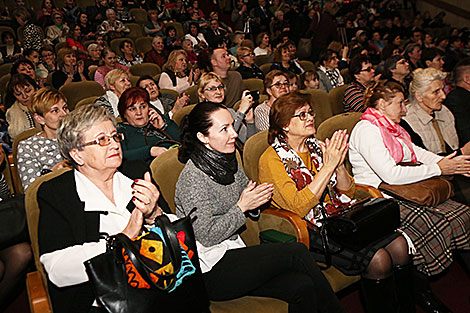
{"x": 397, "y": 69}
{"x": 276, "y": 83}
{"x": 58, "y": 31}
{"x": 248, "y": 68}
{"x": 100, "y": 196}
{"x": 211, "y": 88}
{"x": 303, "y": 170}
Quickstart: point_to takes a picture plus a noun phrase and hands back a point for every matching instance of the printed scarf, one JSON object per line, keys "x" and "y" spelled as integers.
{"x": 300, "y": 174}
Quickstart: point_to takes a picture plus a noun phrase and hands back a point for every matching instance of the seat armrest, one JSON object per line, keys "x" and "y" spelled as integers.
{"x": 37, "y": 293}
{"x": 374, "y": 192}
{"x": 274, "y": 218}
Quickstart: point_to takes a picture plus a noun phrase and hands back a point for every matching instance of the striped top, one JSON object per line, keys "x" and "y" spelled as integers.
{"x": 354, "y": 98}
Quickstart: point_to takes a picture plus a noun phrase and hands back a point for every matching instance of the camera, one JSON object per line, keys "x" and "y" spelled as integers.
{"x": 255, "y": 95}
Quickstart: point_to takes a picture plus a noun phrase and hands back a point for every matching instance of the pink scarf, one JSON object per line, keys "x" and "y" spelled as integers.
{"x": 390, "y": 131}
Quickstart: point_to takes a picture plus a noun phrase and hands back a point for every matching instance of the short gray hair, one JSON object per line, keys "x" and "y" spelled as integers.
{"x": 92, "y": 46}
{"x": 422, "y": 78}
{"x": 73, "y": 125}
{"x": 154, "y": 40}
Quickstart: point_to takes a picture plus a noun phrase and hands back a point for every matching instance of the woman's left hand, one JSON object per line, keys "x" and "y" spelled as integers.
{"x": 335, "y": 149}
{"x": 156, "y": 119}
{"x": 145, "y": 196}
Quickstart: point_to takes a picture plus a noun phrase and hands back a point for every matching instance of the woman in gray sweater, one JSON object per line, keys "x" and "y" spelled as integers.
{"x": 214, "y": 184}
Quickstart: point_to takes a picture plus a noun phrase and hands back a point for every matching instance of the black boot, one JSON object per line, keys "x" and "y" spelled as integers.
{"x": 405, "y": 292}
{"x": 424, "y": 296}
{"x": 379, "y": 295}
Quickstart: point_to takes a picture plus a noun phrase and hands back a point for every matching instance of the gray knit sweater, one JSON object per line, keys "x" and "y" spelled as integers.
{"x": 218, "y": 215}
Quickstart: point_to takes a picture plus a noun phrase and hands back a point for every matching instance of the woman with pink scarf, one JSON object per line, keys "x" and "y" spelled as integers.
{"x": 378, "y": 148}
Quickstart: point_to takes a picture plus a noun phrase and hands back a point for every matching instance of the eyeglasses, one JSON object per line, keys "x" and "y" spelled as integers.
{"x": 247, "y": 55}
{"x": 216, "y": 88}
{"x": 303, "y": 115}
{"x": 105, "y": 140}
{"x": 279, "y": 85}
{"x": 47, "y": 55}
{"x": 369, "y": 69}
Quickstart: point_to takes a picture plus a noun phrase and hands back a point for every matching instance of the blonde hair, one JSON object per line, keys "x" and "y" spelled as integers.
{"x": 170, "y": 64}
{"x": 113, "y": 76}
{"x": 204, "y": 80}
{"x": 42, "y": 100}
{"x": 422, "y": 79}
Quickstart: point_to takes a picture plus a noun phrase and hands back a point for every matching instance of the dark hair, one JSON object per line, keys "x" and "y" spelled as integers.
{"x": 121, "y": 45}
{"x": 14, "y": 67}
{"x": 28, "y": 52}
{"x": 355, "y": 66}
{"x": 282, "y": 111}
{"x": 409, "y": 48}
{"x": 197, "y": 121}
{"x": 5, "y": 34}
{"x": 167, "y": 30}
{"x": 17, "y": 80}
{"x": 461, "y": 68}
{"x": 195, "y": 24}
{"x": 277, "y": 55}
{"x": 129, "y": 97}
{"x": 391, "y": 64}
{"x": 145, "y": 77}
{"x": 325, "y": 55}
{"x": 429, "y": 54}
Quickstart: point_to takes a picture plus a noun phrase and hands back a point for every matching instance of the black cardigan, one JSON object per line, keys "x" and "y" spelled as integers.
{"x": 63, "y": 223}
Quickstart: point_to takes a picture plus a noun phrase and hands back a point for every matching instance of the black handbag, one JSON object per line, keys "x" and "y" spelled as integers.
{"x": 112, "y": 278}
{"x": 359, "y": 225}
{"x": 13, "y": 226}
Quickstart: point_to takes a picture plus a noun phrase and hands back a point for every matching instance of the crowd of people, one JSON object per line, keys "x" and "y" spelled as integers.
{"x": 406, "y": 71}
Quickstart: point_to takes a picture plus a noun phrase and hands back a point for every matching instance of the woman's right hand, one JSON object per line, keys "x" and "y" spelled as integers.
{"x": 335, "y": 149}
{"x": 452, "y": 164}
{"x": 254, "y": 196}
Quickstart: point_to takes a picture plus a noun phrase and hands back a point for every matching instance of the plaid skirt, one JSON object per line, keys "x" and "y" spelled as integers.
{"x": 435, "y": 232}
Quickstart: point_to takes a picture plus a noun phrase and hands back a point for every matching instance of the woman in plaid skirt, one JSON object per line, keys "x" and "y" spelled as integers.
{"x": 378, "y": 143}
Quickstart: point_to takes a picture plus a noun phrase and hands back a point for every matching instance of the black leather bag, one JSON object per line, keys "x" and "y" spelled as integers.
{"x": 109, "y": 278}
{"x": 360, "y": 225}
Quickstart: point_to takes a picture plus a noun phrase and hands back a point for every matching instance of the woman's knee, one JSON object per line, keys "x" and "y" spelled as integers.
{"x": 398, "y": 251}
{"x": 380, "y": 266}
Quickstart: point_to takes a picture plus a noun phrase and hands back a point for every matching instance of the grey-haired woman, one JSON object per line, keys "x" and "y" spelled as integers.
{"x": 92, "y": 200}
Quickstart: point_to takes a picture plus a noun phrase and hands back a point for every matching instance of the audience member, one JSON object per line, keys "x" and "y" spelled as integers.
{"x": 413, "y": 54}
{"x": 458, "y": 100}
{"x": 19, "y": 90}
{"x": 158, "y": 54}
{"x": 87, "y": 29}
{"x": 75, "y": 41}
{"x": 164, "y": 104}
{"x": 276, "y": 83}
{"x": 177, "y": 76}
{"x": 328, "y": 73}
{"x": 39, "y": 154}
{"x": 211, "y": 88}
{"x": 172, "y": 41}
{"x": 112, "y": 28}
{"x": 57, "y": 32}
{"x": 71, "y": 12}
{"x": 10, "y": 51}
{"x": 116, "y": 81}
{"x": 396, "y": 71}
{"x": 362, "y": 73}
{"x": 109, "y": 59}
{"x": 69, "y": 69}
{"x": 198, "y": 39}
{"x": 147, "y": 133}
{"x": 33, "y": 35}
{"x": 263, "y": 45}
{"x": 248, "y": 68}
{"x": 128, "y": 57}
{"x": 153, "y": 27}
{"x": 282, "y": 61}
{"x": 188, "y": 47}
{"x": 221, "y": 63}
{"x": 309, "y": 80}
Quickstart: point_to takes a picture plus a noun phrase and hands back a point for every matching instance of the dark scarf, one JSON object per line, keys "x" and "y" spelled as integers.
{"x": 220, "y": 167}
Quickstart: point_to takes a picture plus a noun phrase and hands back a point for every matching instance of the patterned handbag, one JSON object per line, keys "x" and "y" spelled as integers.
{"x": 156, "y": 272}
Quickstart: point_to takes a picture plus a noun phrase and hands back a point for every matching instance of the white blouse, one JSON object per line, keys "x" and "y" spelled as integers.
{"x": 372, "y": 163}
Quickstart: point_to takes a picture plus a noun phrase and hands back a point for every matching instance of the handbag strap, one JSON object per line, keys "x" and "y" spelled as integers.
{"x": 323, "y": 233}
{"x": 171, "y": 240}
{"x": 143, "y": 269}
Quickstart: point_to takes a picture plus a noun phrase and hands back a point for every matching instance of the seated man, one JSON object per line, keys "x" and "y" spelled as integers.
{"x": 458, "y": 100}
{"x": 362, "y": 73}
{"x": 165, "y": 104}
{"x": 221, "y": 63}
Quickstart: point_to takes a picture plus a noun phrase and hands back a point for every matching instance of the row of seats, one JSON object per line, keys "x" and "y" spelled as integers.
{"x": 165, "y": 170}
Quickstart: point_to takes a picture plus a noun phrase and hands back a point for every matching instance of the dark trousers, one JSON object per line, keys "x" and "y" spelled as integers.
{"x": 283, "y": 271}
